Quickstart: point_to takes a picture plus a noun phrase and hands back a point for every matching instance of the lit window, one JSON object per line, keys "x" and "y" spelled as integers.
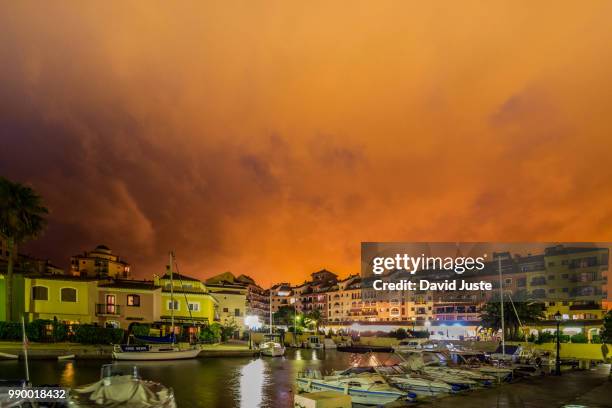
{"x": 133, "y": 300}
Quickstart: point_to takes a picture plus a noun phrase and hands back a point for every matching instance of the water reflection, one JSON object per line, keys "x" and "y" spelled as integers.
{"x": 67, "y": 377}
{"x": 253, "y": 378}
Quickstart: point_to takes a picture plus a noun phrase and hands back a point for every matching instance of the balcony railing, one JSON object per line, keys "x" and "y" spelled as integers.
{"x": 107, "y": 310}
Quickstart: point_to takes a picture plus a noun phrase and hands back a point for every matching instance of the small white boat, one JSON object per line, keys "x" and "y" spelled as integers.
{"x": 272, "y": 349}
{"x": 150, "y": 352}
{"x": 118, "y": 388}
{"x": 481, "y": 378}
{"x": 455, "y": 380}
{"x": 365, "y": 389}
{"x": 407, "y": 345}
{"x": 401, "y": 378}
{"x": 314, "y": 342}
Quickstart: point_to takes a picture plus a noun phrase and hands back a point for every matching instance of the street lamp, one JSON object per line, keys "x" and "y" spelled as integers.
{"x": 558, "y": 318}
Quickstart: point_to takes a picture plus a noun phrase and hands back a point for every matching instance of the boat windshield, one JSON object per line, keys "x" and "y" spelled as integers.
{"x": 114, "y": 370}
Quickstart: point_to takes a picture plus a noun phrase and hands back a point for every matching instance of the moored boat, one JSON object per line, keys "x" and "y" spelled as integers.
{"x": 158, "y": 348}
{"x": 119, "y": 387}
{"x": 150, "y": 352}
{"x": 365, "y": 389}
{"x": 272, "y": 349}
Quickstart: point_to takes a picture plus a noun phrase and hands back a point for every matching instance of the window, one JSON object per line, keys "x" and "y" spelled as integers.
{"x": 174, "y": 305}
{"x": 133, "y": 300}
{"x": 68, "y": 294}
{"x": 225, "y": 310}
{"x": 194, "y": 306}
{"x": 40, "y": 293}
{"x": 237, "y": 312}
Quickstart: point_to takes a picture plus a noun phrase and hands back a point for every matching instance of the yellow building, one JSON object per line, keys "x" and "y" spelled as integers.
{"x": 101, "y": 263}
{"x": 68, "y": 299}
{"x": 192, "y": 301}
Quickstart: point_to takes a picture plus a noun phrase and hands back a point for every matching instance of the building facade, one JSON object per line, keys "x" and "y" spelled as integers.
{"x": 99, "y": 263}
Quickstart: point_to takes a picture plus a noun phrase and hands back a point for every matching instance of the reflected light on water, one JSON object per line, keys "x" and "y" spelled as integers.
{"x": 298, "y": 355}
{"x": 315, "y": 356}
{"x": 252, "y": 380}
{"x": 68, "y": 374}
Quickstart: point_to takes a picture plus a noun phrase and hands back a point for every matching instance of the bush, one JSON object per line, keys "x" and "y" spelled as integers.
{"x": 88, "y": 334}
{"x": 399, "y": 334}
{"x": 141, "y": 329}
{"x": 37, "y": 330}
{"x": 211, "y": 333}
{"x": 579, "y": 338}
{"x": 60, "y": 332}
{"x": 10, "y": 331}
{"x": 596, "y": 339}
{"x": 420, "y": 334}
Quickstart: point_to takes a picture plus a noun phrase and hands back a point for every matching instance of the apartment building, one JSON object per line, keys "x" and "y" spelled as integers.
{"x": 99, "y": 263}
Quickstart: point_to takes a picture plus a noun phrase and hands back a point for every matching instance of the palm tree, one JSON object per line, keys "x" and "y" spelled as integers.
{"x": 526, "y": 311}
{"x": 314, "y": 318}
{"x": 22, "y": 217}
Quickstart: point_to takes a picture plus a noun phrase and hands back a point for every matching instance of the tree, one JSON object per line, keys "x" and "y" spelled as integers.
{"x": 606, "y": 330}
{"x": 313, "y": 319}
{"x": 527, "y": 311}
{"x": 284, "y": 316}
{"x": 22, "y": 217}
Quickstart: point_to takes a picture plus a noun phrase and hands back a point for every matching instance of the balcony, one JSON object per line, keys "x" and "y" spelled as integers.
{"x": 538, "y": 281}
{"x": 107, "y": 310}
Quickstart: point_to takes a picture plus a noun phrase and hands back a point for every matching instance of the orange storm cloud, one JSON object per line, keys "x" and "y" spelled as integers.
{"x": 271, "y": 138}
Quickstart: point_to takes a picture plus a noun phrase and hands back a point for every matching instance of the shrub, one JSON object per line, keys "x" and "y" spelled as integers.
{"x": 211, "y": 333}
{"x": 141, "y": 329}
{"x": 88, "y": 334}
{"x": 37, "y": 330}
{"x": 10, "y": 331}
{"x": 60, "y": 332}
{"x": 420, "y": 334}
{"x": 596, "y": 339}
{"x": 579, "y": 338}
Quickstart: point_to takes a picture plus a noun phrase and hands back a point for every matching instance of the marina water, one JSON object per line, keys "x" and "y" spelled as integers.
{"x": 205, "y": 382}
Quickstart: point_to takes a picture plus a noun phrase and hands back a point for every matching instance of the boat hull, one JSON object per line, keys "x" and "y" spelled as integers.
{"x": 156, "y": 355}
{"x": 358, "y": 396}
{"x": 273, "y": 352}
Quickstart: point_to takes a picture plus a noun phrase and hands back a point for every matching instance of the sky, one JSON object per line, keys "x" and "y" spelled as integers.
{"x": 272, "y": 138}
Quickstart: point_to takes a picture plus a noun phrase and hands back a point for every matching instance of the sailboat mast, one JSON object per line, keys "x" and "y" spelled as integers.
{"x": 172, "y": 297}
{"x": 501, "y": 302}
{"x": 270, "y": 310}
{"x": 25, "y": 348}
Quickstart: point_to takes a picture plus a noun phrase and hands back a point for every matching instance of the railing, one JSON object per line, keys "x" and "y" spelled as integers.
{"x": 107, "y": 309}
